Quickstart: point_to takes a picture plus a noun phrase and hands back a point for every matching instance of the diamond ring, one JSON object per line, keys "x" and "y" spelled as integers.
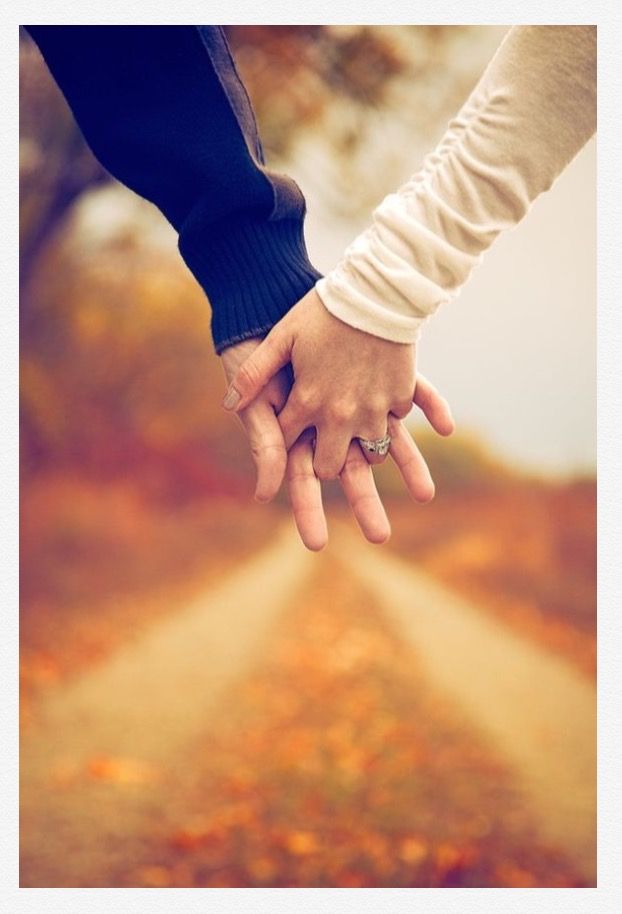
{"x": 379, "y": 446}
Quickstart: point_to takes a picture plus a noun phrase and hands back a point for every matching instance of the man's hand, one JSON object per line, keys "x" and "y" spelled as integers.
{"x": 260, "y": 421}
{"x": 346, "y": 381}
{"x": 271, "y": 459}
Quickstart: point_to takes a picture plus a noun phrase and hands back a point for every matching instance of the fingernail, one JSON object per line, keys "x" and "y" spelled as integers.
{"x": 232, "y": 398}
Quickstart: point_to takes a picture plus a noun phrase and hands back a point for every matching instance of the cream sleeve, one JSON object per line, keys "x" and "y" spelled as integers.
{"x": 532, "y": 111}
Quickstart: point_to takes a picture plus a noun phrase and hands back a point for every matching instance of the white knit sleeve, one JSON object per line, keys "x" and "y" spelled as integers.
{"x": 532, "y": 111}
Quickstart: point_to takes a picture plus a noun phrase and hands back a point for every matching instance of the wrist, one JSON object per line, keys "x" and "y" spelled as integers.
{"x": 252, "y": 270}
{"x": 343, "y": 298}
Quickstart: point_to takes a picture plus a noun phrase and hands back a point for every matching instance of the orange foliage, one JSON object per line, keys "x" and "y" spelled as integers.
{"x": 120, "y": 770}
{"x": 320, "y": 772}
{"x": 524, "y": 550}
{"x": 100, "y": 562}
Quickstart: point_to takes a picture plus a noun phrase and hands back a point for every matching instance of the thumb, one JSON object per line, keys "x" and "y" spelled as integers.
{"x": 253, "y": 374}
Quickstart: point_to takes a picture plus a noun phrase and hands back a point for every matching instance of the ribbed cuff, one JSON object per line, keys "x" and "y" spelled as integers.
{"x": 253, "y": 272}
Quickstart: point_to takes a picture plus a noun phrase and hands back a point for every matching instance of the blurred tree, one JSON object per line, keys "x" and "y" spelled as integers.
{"x": 354, "y": 108}
{"x": 118, "y": 376}
{"x": 295, "y": 73}
{"x": 117, "y": 360}
{"x": 56, "y": 166}
{"x": 301, "y": 79}
{"x": 118, "y": 373}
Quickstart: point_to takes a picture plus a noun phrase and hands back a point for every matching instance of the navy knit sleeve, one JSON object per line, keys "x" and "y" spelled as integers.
{"x": 165, "y": 112}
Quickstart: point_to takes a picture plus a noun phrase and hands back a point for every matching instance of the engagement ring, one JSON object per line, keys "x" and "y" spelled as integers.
{"x": 379, "y": 446}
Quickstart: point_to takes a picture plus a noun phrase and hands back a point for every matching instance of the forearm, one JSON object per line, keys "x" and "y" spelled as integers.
{"x": 164, "y": 110}
{"x": 532, "y": 111}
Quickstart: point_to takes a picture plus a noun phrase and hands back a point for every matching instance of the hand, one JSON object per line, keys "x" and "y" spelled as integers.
{"x": 268, "y": 449}
{"x": 357, "y": 478}
{"x": 260, "y": 422}
{"x": 347, "y": 382}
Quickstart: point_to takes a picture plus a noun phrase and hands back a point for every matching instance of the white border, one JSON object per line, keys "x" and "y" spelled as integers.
{"x": 608, "y": 896}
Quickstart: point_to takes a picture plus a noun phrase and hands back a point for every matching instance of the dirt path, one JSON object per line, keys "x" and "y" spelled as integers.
{"x": 129, "y": 722}
{"x": 539, "y": 710}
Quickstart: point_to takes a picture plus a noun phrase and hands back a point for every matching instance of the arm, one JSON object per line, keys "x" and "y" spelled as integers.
{"x": 530, "y": 114}
{"x": 165, "y": 112}
{"x": 532, "y": 111}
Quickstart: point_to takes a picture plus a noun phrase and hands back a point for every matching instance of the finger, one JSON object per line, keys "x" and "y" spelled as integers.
{"x": 410, "y": 462}
{"x": 305, "y": 495}
{"x": 267, "y": 447}
{"x": 293, "y": 419}
{"x": 402, "y": 407}
{"x": 253, "y": 374}
{"x": 374, "y": 432}
{"x": 359, "y": 487}
{"x": 434, "y": 407}
{"x": 331, "y": 449}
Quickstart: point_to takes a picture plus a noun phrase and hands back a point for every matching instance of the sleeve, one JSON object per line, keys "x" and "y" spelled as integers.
{"x": 532, "y": 111}
{"x": 165, "y": 112}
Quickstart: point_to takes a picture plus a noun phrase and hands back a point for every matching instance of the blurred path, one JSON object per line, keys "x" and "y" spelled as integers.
{"x": 539, "y": 710}
{"x": 143, "y": 705}
{"x": 133, "y": 721}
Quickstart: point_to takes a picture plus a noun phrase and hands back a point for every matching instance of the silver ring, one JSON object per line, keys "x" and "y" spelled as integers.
{"x": 379, "y": 446}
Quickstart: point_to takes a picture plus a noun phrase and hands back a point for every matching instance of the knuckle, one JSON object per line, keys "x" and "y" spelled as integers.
{"x": 248, "y": 373}
{"x": 340, "y": 412}
{"x": 377, "y": 406}
{"x": 307, "y": 399}
{"x": 401, "y": 408}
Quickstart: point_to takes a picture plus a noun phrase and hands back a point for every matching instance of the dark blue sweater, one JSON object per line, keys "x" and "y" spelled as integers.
{"x": 164, "y": 110}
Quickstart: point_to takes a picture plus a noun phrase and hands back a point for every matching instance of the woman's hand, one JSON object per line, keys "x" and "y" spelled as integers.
{"x": 272, "y": 460}
{"x": 347, "y": 382}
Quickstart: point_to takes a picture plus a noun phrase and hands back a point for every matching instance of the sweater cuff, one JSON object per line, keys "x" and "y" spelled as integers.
{"x": 253, "y": 272}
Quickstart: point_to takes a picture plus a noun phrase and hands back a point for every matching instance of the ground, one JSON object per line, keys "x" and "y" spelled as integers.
{"x": 282, "y": 726}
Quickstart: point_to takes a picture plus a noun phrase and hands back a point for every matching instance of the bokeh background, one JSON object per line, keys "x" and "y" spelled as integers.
{"x": 203, "y": 703}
